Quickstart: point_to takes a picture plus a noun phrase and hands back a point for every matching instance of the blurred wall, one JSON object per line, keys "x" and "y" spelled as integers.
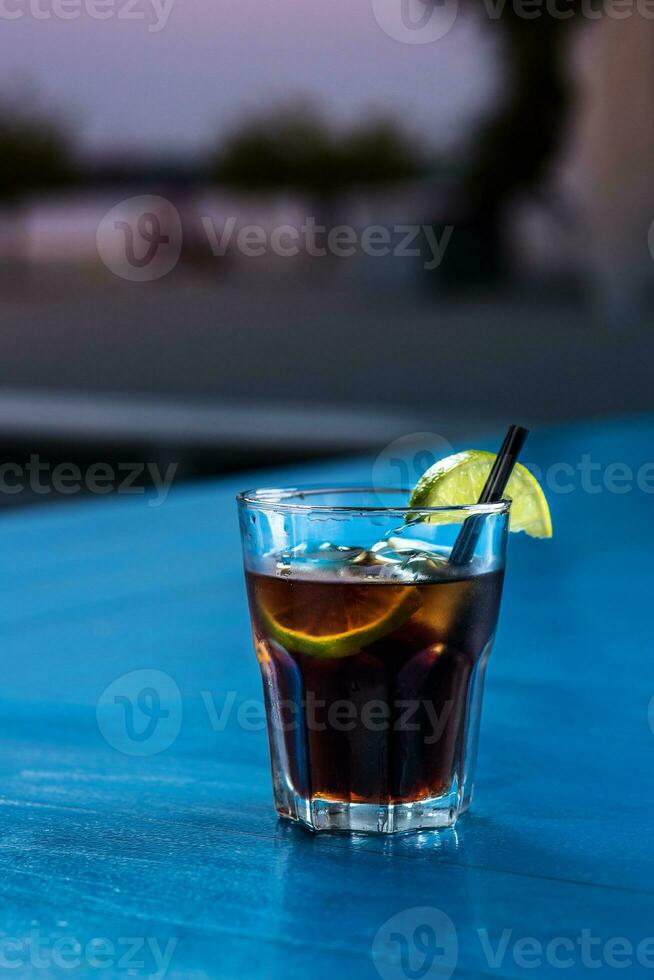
{"x": 610, "y": 163}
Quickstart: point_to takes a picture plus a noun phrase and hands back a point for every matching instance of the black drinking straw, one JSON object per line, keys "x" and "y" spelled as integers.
{"x": 494, "y": 488}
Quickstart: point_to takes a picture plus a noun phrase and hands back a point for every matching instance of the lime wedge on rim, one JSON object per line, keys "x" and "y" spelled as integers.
{"x": 328, "y": 623}
{"x": 459, "y": 479}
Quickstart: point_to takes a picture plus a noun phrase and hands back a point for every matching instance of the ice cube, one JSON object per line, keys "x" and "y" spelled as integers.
{"x": 392, "y": 559}
{"x": 383, "y": 553}
{"x": 424, "y": 568}
{"x": 338, "y": 554}
{"x": 410, "y": 560}
{"x": 360, "y": 566}
{"x": 326, "y": 556}
{"x": 418, "y": 546}
{"x": 286, "y": 561}
{"x": 395, "y": 572}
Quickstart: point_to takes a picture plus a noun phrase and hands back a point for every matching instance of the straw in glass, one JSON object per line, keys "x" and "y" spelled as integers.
{"x": 495, "y": 485}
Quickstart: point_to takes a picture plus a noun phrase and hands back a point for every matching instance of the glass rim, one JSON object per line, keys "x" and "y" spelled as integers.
{"x": 280, "y": 499}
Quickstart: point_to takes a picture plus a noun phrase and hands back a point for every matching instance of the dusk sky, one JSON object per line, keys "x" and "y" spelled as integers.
{"x": 178, "y": 87}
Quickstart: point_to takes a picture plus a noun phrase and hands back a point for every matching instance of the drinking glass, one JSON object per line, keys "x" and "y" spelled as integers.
{"x": 372, "y": 646}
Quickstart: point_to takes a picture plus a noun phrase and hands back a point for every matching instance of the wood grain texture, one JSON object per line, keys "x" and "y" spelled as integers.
{"x": 184, "y": 845}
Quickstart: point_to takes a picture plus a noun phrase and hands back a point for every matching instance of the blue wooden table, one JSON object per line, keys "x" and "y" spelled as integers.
{"x": 138, "y": 836}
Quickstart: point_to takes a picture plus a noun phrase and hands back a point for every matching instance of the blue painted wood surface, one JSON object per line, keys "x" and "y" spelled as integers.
{"x": 181, "y": 850}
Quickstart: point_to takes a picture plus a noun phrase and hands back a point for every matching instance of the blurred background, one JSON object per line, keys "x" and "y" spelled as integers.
{"x": 236, "y": 234}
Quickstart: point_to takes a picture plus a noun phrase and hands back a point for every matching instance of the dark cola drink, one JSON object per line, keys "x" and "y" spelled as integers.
{"x": 372, "y": 670}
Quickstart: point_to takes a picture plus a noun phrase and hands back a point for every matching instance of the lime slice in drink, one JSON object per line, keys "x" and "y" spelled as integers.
{"x": 332, "y": 623}
{"x": 460, "y": 479}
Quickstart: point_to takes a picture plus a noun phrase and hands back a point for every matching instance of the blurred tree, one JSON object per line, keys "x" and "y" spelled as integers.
{"x": 379, "y": 151}
{"x": 294, "y": 148}
{"x": 516, "y": 147}
{"x": 288, "y": 148}
{"x": 35, "y": 151}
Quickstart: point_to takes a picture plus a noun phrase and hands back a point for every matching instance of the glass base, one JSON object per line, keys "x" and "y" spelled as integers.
{"x": 318, "y": 814}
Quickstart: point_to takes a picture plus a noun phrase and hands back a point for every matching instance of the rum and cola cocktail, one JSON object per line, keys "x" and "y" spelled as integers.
{"x": 372, "y": 647}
